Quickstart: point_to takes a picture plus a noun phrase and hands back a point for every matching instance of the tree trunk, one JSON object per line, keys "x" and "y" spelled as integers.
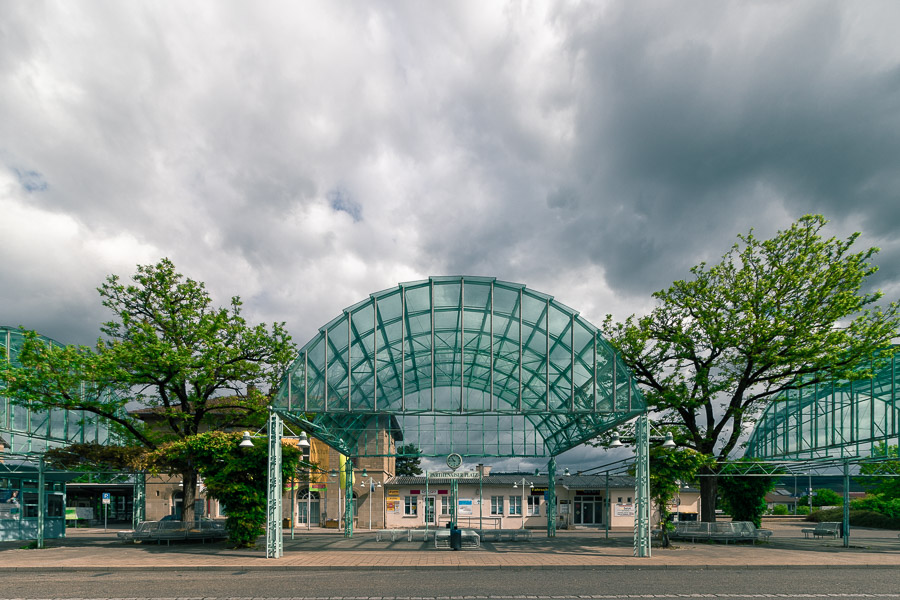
{"x": 709, "y": 488}
{"x": 189, "y": 480}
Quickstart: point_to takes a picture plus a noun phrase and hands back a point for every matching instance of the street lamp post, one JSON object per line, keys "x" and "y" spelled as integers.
{"x": 641, "y": 440}
{"x": 371, "y": 484}
{"x": 530, "y": 485}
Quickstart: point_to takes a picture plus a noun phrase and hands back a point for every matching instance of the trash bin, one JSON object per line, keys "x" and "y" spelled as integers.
{"x": 455, "y": 538}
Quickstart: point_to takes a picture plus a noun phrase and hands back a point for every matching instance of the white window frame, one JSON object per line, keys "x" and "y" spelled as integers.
{"x": 515, "y": 506}
{"x": 497, "y": 505}
{"x": 534, "y": 506}
{"x": 410, "y": 506}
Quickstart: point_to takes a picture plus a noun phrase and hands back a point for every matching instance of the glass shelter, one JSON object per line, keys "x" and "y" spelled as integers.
{"x": 461, "y": 367}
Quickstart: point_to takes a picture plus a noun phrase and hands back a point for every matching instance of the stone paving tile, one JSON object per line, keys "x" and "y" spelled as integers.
{"x": 95, "y": 549}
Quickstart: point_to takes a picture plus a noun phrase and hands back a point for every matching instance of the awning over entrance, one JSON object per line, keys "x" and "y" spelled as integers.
{"x": 466, "y": 365}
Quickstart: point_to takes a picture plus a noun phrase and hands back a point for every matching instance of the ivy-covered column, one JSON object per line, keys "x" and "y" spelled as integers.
{"x": 348, "y": 498}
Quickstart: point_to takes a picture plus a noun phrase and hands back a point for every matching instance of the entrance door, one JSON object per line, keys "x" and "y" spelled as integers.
{"x": 588, "y": 510}
{"x": 587, "y": 513}
{"x": 429, "y": 510}
{"x": 308, "y": 500}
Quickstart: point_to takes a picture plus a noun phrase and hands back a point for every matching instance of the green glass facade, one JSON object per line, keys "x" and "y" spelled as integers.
{"x": 25, "y": 430}
{"x": 834, "y": 419}
{"x": 466, "y": 365}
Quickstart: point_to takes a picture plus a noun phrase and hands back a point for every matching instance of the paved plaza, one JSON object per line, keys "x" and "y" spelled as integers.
{"x": 318, "y": 549}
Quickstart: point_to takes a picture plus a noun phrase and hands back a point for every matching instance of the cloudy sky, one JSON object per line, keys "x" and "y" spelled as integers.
{"x": 304, "y": 155}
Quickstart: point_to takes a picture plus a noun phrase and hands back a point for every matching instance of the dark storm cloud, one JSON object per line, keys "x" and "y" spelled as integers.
{"x": 304, "y": 158}
{"x": 696, "y": 127}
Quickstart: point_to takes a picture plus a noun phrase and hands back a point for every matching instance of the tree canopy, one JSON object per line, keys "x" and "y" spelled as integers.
{"x": 744, "y": 496}
{"x": 189, "y": 366}
{"x": 882, "y": 477}
{"x": 719, "y": 345}
{"x": 409, "y": 459}
{"x": 235, "y": 476}
{"x": 669, "y": 469}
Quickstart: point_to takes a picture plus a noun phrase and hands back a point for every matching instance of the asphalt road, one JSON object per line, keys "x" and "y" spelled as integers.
{"x": 445, "y": 584}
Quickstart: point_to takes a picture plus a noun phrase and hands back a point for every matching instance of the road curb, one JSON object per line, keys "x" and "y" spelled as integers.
{"x": 331, "y": 568}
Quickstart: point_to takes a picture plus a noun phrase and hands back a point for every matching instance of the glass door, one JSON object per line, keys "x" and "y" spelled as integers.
{"x": 429, "y": 510}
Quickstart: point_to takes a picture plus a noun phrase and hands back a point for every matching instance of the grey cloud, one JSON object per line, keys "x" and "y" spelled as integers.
{"x": 531, "y": 144}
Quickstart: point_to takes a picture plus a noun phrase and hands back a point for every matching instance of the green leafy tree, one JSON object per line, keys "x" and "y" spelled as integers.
{"x": 722, "y": 343}
{"x": 668, "y": 469}
{"x": 235, "y": 476}
{"x": 168, "y": 349}
{"x": 823, "y": 497}
{"x": 744, "y": 496}
{"x": 409, "y": 460}
{"x": 887, "y": 486}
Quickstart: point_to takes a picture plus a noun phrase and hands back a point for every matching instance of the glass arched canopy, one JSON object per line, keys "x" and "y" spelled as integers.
{"x": 25, "y": 430}
{"x": 467, "y": 365}
{"x": 833, "y": 419}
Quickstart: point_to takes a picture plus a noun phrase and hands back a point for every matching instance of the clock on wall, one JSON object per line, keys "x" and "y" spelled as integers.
{"x": 454, "y": 461}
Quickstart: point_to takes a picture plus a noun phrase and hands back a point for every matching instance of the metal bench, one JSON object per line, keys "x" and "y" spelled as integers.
{"x": 470, "y": 539}
{"x": 207, "y": 530}
{"x": 728, "y": 531}
{"x": 748, "y": 530}
{"x": 142, "y": 532}
{"x": 167, "y": 531}
{"x": 414, "y": 535}
{"x": 505, "y": 535}
{"x": 823, "y": 529}
{"x": 390, "y": 534}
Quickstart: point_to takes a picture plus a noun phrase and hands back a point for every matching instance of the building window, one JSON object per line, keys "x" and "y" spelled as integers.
{"x": 410, "y": 506}
{"x": 515, "y": 505}
{"x": 445, "y": 505}
{"x": 54, "y": 505}
{"x": 496, "y": 505}
{"x": 534, "y": 506}
{"x": 31, "y": 509}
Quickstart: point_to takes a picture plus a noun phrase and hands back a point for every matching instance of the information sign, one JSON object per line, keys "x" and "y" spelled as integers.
{"x": 453, "y": 475}
{"x": 106, "y": 498}
{"x": 465, "y": 507}
{"x": 624, "y": 509}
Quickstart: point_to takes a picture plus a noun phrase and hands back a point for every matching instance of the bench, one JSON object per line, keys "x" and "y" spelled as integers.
{"x": 423, "y": 535}
{"x": 748, "y": 530}
{"x": 728, "y": 531}
{"x": 391, "y": 534}
{"x": 470, "y": 539}
{"x": 502, "y": 535}
{"x": 825, "y": 528}
{"x": 168, "y": 531}
{"x": 143, "y": 531}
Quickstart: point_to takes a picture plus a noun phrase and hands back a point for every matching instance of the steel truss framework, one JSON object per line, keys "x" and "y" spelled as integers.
{"x": 457, "y": 365}
{"x": 837, "y": 419}
{"x": 27, "y": 430}
{"x": 473, "y": 366}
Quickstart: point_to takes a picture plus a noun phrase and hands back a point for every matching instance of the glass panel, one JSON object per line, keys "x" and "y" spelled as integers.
{"x": 30, "y": 505}
{"x": 10, "y": 501}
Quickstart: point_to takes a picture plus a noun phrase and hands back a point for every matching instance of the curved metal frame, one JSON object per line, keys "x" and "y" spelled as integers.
{"x": 29, "y": 430}
{"x": 447, "y": 358}
{"x": 835, "y": 419}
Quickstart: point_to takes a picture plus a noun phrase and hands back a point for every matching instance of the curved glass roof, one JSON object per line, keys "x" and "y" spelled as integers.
{"x": 470, "y": 365}
{"x": 836, "y": 419}
{"x": 27, "y": 430}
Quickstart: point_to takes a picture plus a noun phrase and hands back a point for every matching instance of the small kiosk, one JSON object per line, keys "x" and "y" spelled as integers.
{"x": 21, "y": 502}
